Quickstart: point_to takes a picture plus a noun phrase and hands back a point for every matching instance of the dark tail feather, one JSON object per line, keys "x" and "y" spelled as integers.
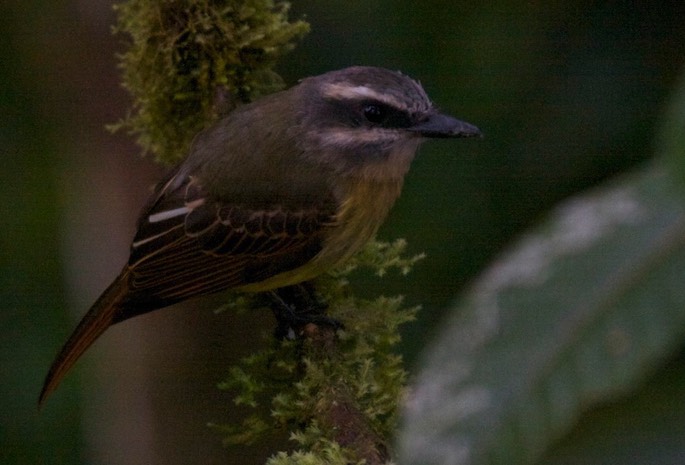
{"x": 100, "y": 317}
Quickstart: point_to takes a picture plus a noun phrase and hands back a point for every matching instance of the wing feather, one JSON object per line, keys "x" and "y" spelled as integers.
{"x": 189, "y": 243}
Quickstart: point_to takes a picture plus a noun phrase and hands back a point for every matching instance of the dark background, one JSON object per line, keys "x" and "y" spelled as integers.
{"x": 566, "y": 94}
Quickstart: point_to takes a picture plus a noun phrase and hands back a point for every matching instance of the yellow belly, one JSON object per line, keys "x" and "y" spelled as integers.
{"x": 364, "y": 209}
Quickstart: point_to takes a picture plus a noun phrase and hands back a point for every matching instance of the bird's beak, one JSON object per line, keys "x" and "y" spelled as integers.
{"x": 437, "y": 125}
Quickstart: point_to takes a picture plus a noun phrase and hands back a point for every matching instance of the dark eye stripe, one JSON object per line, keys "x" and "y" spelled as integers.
{"x": 383, "y": 115}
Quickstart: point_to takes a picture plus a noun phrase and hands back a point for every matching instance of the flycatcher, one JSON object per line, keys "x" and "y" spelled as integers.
{"x": 271, "y": 196}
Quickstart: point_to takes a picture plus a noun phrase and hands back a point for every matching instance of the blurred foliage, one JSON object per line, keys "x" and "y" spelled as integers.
{"x": 671, "y": 140}
{"x": 31, "y": 291}
{"x": 568, "y": 94}
{"x": 575, "y": 314}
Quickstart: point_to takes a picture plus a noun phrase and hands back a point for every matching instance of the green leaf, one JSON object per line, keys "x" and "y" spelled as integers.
{"x": 671, "y": 140}
{"x": 579, "y": 311}
{"x": 642, "y": 429}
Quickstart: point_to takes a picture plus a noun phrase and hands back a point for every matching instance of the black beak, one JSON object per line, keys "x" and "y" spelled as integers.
{"x": 437, "y": 125}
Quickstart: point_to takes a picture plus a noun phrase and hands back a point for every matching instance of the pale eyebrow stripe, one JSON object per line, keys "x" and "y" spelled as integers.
{"x": 347, "y": 92}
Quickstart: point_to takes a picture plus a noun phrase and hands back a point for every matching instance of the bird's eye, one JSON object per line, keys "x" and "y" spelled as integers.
{"x": 374, "y": 113}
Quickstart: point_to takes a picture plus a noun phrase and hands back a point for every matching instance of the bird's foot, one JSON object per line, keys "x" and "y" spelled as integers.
{"x": 296, "y": 307}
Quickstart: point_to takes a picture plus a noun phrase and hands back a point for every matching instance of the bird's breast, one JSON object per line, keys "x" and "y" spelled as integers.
{"x": 363, "y": 208}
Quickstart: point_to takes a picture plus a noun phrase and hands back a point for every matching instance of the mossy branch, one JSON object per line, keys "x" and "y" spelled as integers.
{"x": 187, "y": 62}
{"x": 339, "y": 392}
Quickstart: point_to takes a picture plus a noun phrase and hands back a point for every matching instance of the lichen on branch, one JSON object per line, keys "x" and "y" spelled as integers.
{"x": 187, "y": 62}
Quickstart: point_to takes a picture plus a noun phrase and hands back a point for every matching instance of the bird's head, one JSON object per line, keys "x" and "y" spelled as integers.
{"x": 369, "y": 121}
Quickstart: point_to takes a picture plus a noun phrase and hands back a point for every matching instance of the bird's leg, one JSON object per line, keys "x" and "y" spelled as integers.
{"x": 297, "y": 306}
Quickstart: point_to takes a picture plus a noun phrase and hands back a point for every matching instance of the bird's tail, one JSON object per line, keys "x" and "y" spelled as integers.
{"x": 100, "y": 316}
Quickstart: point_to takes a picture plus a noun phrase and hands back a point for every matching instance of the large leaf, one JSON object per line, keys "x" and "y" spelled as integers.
{"x": 580, "y": 310}
{"x": 647, "y": 428}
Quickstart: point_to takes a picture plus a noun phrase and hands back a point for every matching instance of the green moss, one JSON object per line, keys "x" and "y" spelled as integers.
{"x": 297, "y": 380}
{"x": 329, "y": 453}
{"x": 190, "y": 61}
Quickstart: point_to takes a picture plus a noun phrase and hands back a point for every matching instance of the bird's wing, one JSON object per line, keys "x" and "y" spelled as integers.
{"x": 190, "y": 244}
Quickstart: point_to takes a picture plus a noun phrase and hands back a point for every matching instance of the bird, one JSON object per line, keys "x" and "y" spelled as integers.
{"x": 277, "y": 192}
